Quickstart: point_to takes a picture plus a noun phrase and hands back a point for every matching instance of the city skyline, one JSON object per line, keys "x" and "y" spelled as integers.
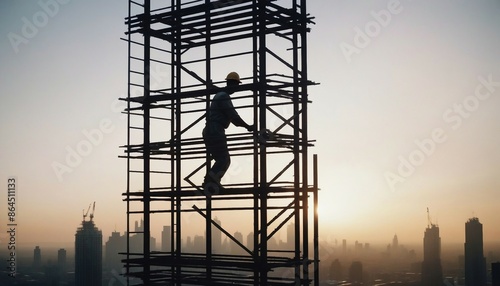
{"x": 413, "y": 112}
{"x": 362, "y": 262}
{"x": 282, "y": 239}
{"x": 281, "y": 235}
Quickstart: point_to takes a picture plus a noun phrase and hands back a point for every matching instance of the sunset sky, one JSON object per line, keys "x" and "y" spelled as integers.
{"x": 407, "y": 116}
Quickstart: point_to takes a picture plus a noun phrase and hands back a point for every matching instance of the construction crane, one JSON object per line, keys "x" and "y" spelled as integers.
{"x": 86, "y": 213}
{"x": 429, "y": 221}
{"x": 92, "y": 213}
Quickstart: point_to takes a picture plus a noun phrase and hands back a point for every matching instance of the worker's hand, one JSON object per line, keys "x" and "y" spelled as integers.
{"x": 251, "y": 128}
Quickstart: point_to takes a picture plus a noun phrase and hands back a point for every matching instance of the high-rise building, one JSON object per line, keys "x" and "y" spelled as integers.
{"x": 336, "y": 270}
{"x": 344, "y": 247}
{"x": 199, "y": 244}
{"x": 367, "y": 246}
{"x": 475, "y": 262}
{"x": 395, "y": 243}
{"x": 250, "y": 241}
{"x": 495, "y": 274}
{"x": 61, "y": 260}
{"x": 356, "y": 272}
{"x": 290, "y": 235}
{"x": 88, "y": 255}
{"x": 165, "y": 238}
{"x": 137, "y": 240}
{"x": 235, "y": 248}
{"x": 116, "y": 243}
{"x": 432, "y": 272}
{"x": 37, "y": 258}
{"x": 189, "y": 244}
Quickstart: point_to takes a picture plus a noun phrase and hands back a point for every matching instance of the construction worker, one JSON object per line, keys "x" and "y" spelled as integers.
{"x": 220, "y": 114}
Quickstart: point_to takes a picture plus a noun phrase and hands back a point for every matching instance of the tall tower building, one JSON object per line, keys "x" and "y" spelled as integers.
{"x": 290, "y": 235}
{"x": 432, "y": 272}
{"x": 356, "y": 272}
{"x": 165, "y": 238}
{"x": 199, "y": 244}
{"x": 189, "y": 244}
{"x": 475, "y": 263}
{"x": 495, "y": 274}
{"x": 234, "y": 248}
{"x": 88, "y": 254}
{"x": 336, "y": 270}
{"x": 137, "y": 240}
{"x": 37, "y": 258}
{"x": 395, "y": 243}
{"x": 116, "y": 243}
{"x": 250, "y": 240}
{"x": 344, "y": 247}
{"x": 61, "y": 260}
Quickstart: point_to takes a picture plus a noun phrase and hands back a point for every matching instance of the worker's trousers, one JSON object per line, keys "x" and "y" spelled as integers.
{"x": 215, "y": 140}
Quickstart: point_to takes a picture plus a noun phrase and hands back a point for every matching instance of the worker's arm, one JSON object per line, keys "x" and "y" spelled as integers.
{"x": 235, "y": 117}
{"x": 238, "y": 121}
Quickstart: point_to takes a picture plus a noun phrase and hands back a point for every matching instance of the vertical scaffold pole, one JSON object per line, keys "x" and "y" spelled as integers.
{"x": 302, "y": 25}
{"x": 255, "y": 80}
{"x": 147, "y": 151}
{"x": 263, "y": 151}
{"x": 129, "y": 47}
{"x": 296, "y": 148}
{"x": 208, "y": 68}
{"x": 177, "y": 89}
{"x": 316, "y": 224}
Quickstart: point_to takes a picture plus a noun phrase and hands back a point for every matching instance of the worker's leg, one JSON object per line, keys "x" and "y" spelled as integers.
{"x": 222, "y": 159}
{"x": 216, "y": 144}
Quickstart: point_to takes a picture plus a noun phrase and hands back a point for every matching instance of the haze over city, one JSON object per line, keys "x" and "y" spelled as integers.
{"x": 405, "y": 118}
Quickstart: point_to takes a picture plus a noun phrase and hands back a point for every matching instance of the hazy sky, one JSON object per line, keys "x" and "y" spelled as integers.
{"x": 406, "y": 116}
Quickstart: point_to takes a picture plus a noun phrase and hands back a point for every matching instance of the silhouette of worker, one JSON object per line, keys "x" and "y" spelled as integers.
{"x": 220, "y": 114}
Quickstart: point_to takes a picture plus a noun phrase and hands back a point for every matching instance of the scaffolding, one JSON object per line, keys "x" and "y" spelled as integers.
{"x": 175, "y": 51}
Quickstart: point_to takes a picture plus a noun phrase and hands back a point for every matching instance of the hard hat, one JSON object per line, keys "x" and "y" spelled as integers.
{"x": 233, "y": 76}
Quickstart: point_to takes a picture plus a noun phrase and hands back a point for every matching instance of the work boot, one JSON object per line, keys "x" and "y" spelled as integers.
{"x": 211, "y": 184}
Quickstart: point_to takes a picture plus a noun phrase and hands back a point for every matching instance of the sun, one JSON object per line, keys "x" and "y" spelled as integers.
{"x": 322, "y": 210}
